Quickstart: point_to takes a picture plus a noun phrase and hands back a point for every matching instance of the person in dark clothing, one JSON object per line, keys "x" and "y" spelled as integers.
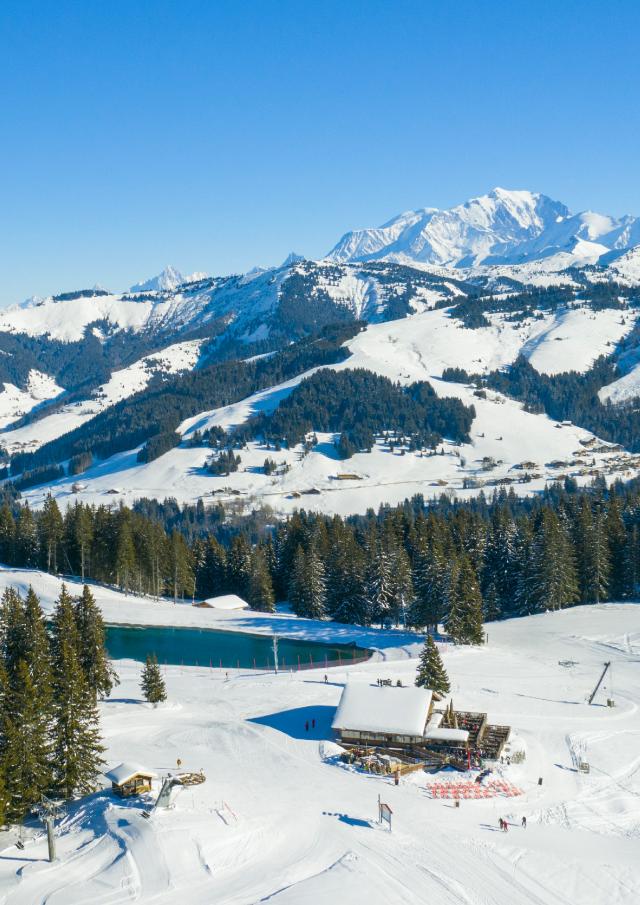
{"x": 524, "y": 823}
{"x": 313, "y": 723}
{"x": 306, "y": 726}
{"x": 326, "y": 678}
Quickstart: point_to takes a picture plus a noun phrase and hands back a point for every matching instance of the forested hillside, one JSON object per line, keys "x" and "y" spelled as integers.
{"x": 415, "y": 564}
{"x": 358, "y": 405}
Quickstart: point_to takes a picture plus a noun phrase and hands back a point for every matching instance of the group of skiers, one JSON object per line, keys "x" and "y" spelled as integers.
{"x": 504, "y": 824}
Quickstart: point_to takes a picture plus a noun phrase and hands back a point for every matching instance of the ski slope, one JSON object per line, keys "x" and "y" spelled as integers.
{"x": 280, "y": 819}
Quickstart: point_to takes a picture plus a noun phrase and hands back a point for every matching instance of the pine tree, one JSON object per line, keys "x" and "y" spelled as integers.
{"x": 378, "y": 588}
{"x": 152, "y": 683}
{"x": 83, "y": 535}
{"x": 592, "y": 553}
{"x": 211, "y": 576}
{"x": 125, "y": 557}
{"x": 552, "y": 580}
{"x": 297, "y": 593}
{"x": 464, "y": 623}
{"x": 498, "y": 573}
{"x": 239, "y": 566}
{"x": 402, "y": 590}
{"x": 181, "y": 570}
{"x": 97, "y": 668}
{"x": 7, "y": 534}
{"x": 77, "y": 748}
{"x": 307, "y": 588}
{"x": 316, "y": 586}
{"x": 617, "y": 543}
{"x": 27, "y": 746}
{"x": 431, "y": 671}
{"x": 260, "y": 596}
{"x": 429, "y": 585}
{"x": 51, "y": 528}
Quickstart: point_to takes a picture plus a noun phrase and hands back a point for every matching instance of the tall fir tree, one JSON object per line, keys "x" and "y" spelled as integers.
{"x": 260, "y": 590}
{"x": 552, "y": 580}
{"x": 152, "y": 682}
{"x": 98, "y": 669}
{"x": 77, "y": 748}
{"x": 464, "y": 623}
{"x": 431, "y": 672}
{"x": 51, "y": 529}
{"x": 27, "y": 745}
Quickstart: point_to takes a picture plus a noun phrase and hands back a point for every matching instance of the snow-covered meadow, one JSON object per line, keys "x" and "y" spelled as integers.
{"x": 419, "y": 347}
{"x": 280, "y": 819}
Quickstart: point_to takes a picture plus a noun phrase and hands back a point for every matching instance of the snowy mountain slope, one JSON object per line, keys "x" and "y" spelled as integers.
{"x": 300, "y": 827}
{"x": 253, "y": 306}
{"x": 16, "y": 402}
{"x": 427, "y": 344}
{"x": 67, "y": 320}
{"x": 122, "y": 384}
{"x": 503, "y": 227}
{"x": 416, "y": 348}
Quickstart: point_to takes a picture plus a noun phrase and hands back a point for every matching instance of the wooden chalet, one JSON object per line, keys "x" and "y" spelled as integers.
{"x": 403, "y": 720}
{"x": 129, "y": 779}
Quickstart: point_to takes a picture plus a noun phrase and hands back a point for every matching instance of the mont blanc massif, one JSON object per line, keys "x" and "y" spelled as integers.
{"x": 493, "y": 345}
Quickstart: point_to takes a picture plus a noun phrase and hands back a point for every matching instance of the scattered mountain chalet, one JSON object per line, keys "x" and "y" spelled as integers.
{"x": 404, "y": 719}
{"x": 129, "y": 779}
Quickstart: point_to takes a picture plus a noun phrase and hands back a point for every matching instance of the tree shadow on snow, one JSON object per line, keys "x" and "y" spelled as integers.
{"x": 123, "y": 701}
{"x": 298, "y": 722}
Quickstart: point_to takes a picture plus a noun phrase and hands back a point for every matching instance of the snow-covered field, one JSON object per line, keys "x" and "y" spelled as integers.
{"x": 122, "y": 384}
{"x": 415, "y": 348}
{"x": 280, "y": 819}
{"x": 16, "y": 402}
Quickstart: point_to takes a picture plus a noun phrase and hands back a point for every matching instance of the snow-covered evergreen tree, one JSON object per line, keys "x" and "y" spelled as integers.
{"x": 378, "y": 589}
{"x": 551, "y": 580}
{"x": 431, "y": 671}
{"x": 77, "y": 748}
{"x": 260, "y": 591}
{"x": 152, "y": 683}
{"x": 98, "y": 669}
{"x": 464, "y": 623}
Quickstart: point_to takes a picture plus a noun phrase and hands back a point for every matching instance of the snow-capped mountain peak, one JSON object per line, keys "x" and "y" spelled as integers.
{"x": 168, "y": 280}
{"x": 502, "y": 227}
{"x": 292, "y": 258}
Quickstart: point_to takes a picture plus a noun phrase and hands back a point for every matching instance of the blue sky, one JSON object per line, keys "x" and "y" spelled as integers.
{"x": 219, "y": 135}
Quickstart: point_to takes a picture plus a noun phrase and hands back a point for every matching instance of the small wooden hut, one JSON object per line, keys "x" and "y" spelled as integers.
{"x": 129, "y": 779}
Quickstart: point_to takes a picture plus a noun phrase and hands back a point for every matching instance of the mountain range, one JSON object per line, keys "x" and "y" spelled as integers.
{"x": 511, "y": 290}
{"x": 503, "y": 227}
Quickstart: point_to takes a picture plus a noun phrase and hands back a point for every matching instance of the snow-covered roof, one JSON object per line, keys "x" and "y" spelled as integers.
{"x": 126, "y": 771}
{"x": 447, "y": 735}
{"x": 370, "y": 708}
{"x": 227, "y": 602}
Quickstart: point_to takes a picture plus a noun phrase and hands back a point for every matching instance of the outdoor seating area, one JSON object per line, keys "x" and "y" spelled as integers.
{"x": 466, "y": 789}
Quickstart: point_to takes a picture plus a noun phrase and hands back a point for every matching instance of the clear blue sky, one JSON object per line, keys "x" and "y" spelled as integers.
{"x": 218, "y": 135}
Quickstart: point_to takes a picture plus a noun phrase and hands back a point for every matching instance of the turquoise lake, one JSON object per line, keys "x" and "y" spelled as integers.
{"x": 209, "y": 647}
